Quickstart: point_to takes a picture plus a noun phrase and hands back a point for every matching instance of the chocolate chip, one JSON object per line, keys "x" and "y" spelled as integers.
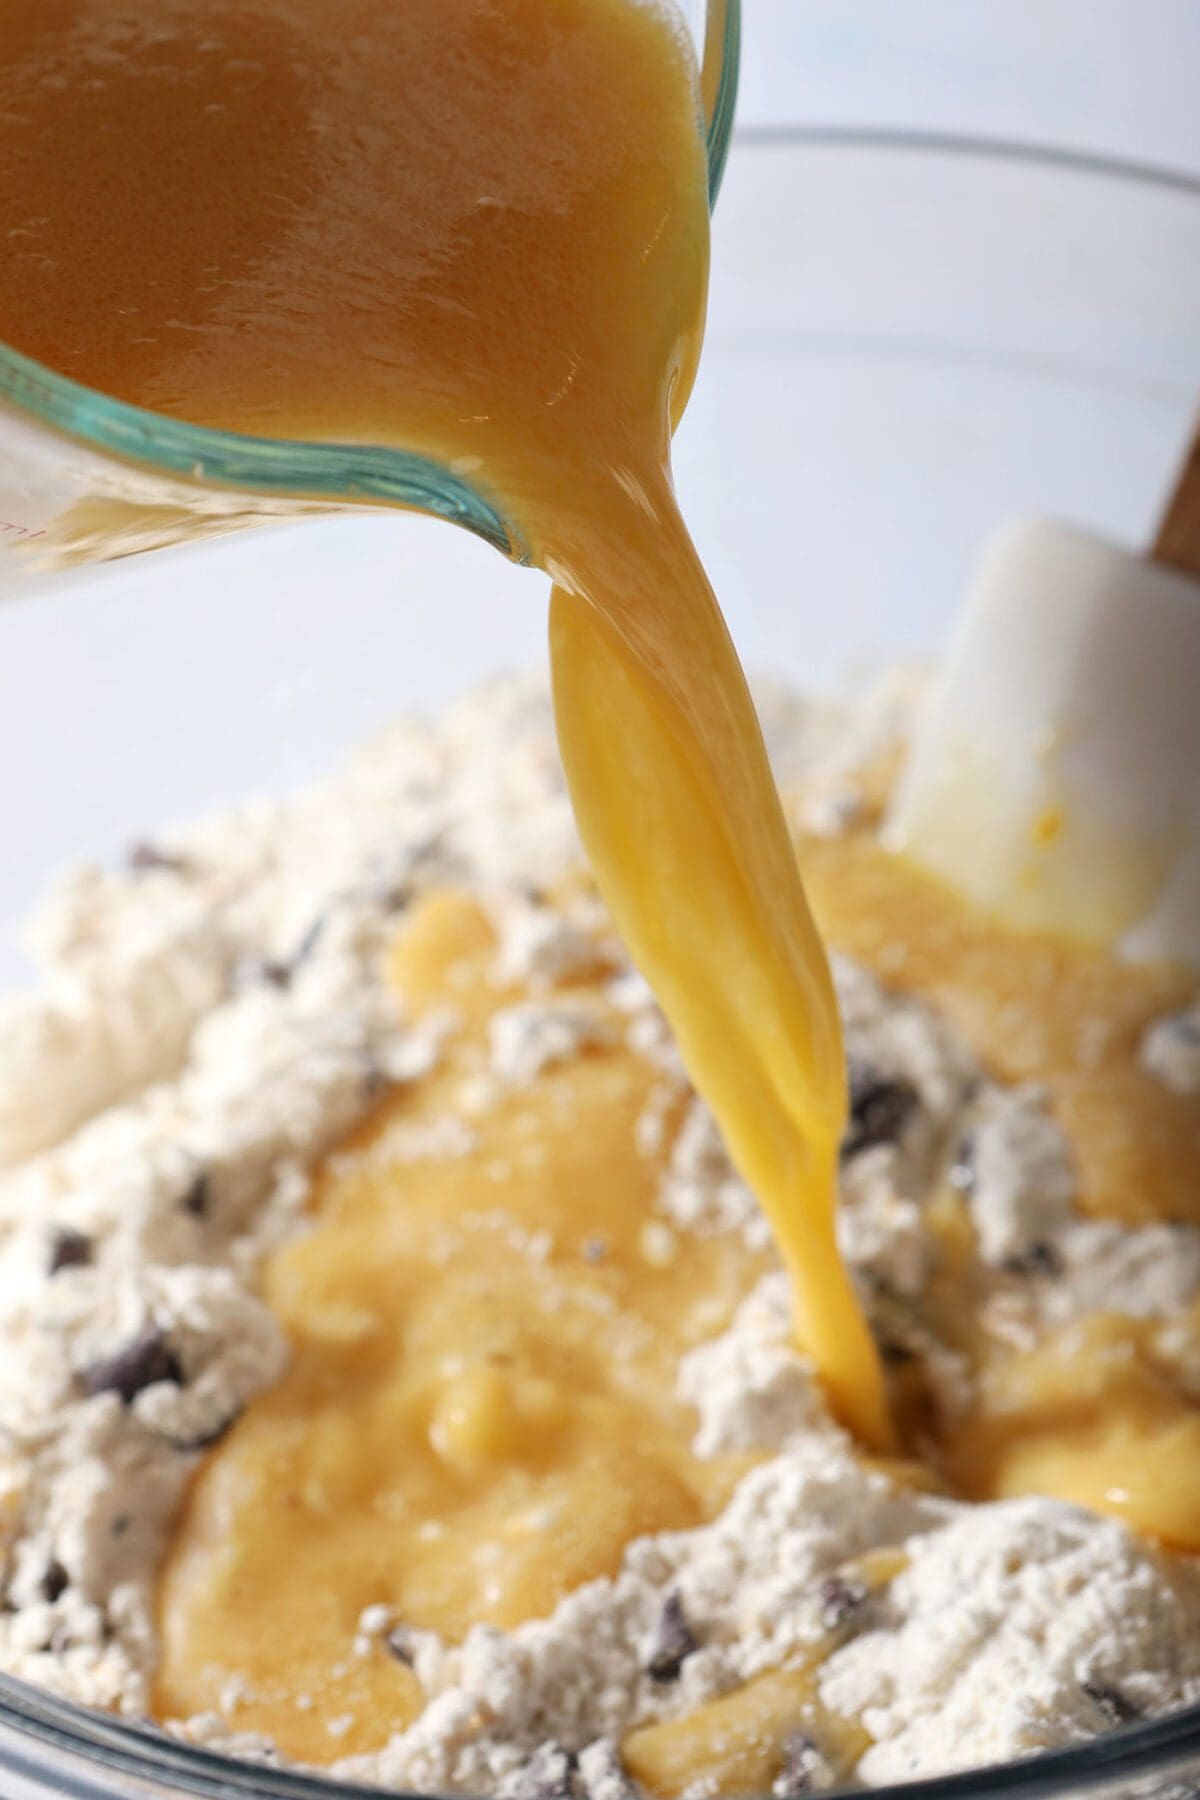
{"x": 399, "y": 1645}
{"x": 895, "y": 1354}
{"x": 69, "y": 1249}
{"x": 880, "y": 1107}
{"x": 55, "y": 1581}
{"x": 674, "y": 1640}
{"x": 394, "y": 896}
{"x": 144, "y": 855}
{"x": 423, "y": 850}
{"x": 277, "y": 971}
{"x": 142, "y": 1363}
{"x": 1036, "y": 1259}
{"x": 551, "y": 1773}
{"x": 840, "y": 1597}
{"x": 805, "y": 1768}
{"x": 307, "y": 943}
{"x": 1111, "y": 1703}
{"x": 196, "y": 1198}
{"x": 375, "y": 1082}
{"x": 260, "y": 971}
{"x": 120, "y": 1525}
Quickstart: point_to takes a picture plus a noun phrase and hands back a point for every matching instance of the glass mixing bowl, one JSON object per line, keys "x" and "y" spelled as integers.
{"x": 910, "y": 340}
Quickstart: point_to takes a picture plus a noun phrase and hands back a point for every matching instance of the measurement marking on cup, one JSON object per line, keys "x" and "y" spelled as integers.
{"x": 22, "y": 531}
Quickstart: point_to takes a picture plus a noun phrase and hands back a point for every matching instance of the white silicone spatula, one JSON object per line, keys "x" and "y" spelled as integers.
{"x": 1055, "y": 778}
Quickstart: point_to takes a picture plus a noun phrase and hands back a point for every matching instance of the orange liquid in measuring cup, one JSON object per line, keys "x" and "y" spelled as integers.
{"x": 476, "y": 229}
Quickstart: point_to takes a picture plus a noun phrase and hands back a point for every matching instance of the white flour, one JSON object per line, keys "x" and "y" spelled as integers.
{"x": 213, "y": 1019}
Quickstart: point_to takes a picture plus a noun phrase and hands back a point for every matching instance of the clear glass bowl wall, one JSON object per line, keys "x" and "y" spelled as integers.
{"x": 910, "y": 342}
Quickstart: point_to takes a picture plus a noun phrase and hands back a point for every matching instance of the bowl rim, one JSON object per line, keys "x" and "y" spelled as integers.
{"x": 976, "y": 146}
{"x": 94, "y": 1742}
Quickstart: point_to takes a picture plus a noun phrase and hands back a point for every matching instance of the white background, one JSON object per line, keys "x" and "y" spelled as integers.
{"x": 166, "y": 686}
{"x": 1115, "y": 76}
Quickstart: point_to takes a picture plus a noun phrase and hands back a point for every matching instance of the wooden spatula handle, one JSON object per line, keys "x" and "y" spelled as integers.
{"x": 1177, "y": 544}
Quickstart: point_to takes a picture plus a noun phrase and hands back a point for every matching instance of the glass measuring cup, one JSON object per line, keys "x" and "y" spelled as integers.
{"x": 86, "y": 479}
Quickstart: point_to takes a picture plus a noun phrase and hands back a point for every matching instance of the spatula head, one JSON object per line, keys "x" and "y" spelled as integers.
{"x": 1055, "y": 779}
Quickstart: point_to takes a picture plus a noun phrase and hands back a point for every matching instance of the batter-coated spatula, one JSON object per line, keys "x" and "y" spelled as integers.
{"x": 1055, "y": 778}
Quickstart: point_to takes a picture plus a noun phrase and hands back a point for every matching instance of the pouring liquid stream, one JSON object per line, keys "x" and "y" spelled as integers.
{"x": 479, "y": 232}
